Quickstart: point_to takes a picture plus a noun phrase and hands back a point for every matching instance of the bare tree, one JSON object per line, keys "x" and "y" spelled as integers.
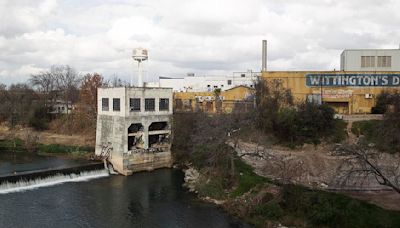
{"x": 116, "y": 82}
{"x": 363, "y": 163}
{"x": 88, "y": 93}
{"x": 44, "y": 83}
{"x": 16, "y": 103}
{"x": 67, "y": 81}
{"x": 218, "y": 100}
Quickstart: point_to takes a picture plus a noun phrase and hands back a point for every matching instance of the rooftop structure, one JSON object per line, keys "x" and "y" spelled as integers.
{"x": 192, "y": 83}
{"x": 370, "y": 60}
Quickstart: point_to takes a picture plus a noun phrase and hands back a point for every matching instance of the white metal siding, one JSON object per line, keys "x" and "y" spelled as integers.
{"x": 351, "y": 60}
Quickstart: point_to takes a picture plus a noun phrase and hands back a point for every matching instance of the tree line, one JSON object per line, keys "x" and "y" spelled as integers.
{"x": 33, "y": 103}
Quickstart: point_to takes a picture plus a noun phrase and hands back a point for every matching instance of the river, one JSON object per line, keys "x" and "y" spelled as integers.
{"x": 148, "y": 199}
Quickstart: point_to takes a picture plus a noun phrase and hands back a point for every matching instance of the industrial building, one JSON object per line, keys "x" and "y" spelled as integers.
{"x": 239, "y": 98}
{"x": 365, "y": 74}
{"x": 134, "y": 127}
{"x": 370, "y": 60}
{"x": 193, "y": 83}
{"x": 346, "y": 92}
{"x": 133, "y": 130}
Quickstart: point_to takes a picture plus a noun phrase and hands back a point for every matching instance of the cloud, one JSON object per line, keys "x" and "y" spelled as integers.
{"x": 22, "y": 16}
{"x": 200, "y": 36}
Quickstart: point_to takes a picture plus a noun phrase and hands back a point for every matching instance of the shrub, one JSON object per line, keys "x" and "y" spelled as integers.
{"x": 334, "y": 210}
{"x": 382, "y": 102}
{"x": 270, "y": 210}
{"x": 367, "y": 128}
{"x": 294, "y": 124}
{"x": 40, "y": 118}
{"x": 309, "y": 123}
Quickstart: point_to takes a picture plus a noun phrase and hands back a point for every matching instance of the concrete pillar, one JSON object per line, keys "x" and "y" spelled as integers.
{"x": 146, "y": 135}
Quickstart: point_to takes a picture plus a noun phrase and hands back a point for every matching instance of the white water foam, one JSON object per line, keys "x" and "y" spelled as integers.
{"x": 22, "y": 185}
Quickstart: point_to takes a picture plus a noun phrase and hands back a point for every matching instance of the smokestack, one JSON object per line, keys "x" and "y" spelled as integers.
{"x": 264, "y": 55}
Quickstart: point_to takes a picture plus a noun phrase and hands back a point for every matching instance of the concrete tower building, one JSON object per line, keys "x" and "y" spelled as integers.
{"x": 134, "y": 127}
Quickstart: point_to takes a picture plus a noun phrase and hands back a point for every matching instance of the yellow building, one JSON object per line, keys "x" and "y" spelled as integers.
{"x": 240, "y": 98}
{"x": 347, "y": 92}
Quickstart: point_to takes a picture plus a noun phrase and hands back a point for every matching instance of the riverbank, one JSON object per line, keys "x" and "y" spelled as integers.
{"x": 47, "y": 137}
{"x": 46, "y": 143}
{"x": 316, "y": 167}
{"x": 266, "y": 203}
{"x": 17, "y": 145}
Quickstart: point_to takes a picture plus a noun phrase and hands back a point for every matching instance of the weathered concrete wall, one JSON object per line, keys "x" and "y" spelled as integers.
{"x": 147, "y": 161}
{"x": 112, "y": 130}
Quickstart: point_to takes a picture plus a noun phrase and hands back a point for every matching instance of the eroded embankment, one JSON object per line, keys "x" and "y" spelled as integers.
{"x": 316, "y": 167}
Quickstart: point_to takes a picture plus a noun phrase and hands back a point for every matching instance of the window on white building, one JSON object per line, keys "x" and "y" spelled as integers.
{"x": 104, "y": 104}
{"x": 384, "y": 61}
{"x": 367, "y": 61}
{"x": 164, "y": 104}
{"x": 134, "y": 104}
{"x": 229, "y": 82}
{"x": 116, "y": 104}
{"x": 149, "y": 104}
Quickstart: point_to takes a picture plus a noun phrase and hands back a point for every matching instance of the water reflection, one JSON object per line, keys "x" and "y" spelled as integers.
{"x": 24, "y": 161}
{"x": 148, "y": 199}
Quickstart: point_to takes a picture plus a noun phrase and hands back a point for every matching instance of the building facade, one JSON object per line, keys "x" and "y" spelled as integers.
{"x": 192, "y": 83}
{"x": 239, "y": 98}
{"x": 134, "y": 128}
{"x": 370, "y": 60}
{"x": 347, "y": 92}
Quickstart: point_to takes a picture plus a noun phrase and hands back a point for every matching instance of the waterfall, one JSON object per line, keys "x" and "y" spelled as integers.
{"x": 23, "y": 185}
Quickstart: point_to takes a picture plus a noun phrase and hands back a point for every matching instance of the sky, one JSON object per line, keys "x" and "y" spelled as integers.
{"x": 205, "y": 37}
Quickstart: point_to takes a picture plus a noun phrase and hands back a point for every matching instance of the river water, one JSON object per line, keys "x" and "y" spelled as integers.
{"x": 148, "y": 199}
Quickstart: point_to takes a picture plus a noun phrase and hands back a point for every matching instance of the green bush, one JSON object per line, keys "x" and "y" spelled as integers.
{"x": 382, "y": 102}
{"x": 384, "y": 134}
{"x": 367, "y": 128}
{"x": 40, "y": 119}
{"x": 293, "y": 124}
{"x": 339, "y": 131}
{"x": 309, "y": 123}
{"x": 270, "y": 210}
{"x": 16, "y": 145}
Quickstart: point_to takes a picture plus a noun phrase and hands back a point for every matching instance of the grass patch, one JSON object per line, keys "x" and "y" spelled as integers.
{"x": 213, "y": 188}
{"x": 319, "y": 208}
{"x": 339, "y": 132}
{"x": 16, "y": 145}
{"x": 368, "y": 128}
{"x": 247, "y": 179}
{"x": 57, "y": 148}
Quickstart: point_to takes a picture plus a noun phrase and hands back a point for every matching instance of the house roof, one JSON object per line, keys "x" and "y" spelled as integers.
{"x": 247, "y": 87}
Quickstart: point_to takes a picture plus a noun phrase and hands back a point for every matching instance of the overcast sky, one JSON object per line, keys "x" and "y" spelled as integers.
{"x": 206, "y": 37}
